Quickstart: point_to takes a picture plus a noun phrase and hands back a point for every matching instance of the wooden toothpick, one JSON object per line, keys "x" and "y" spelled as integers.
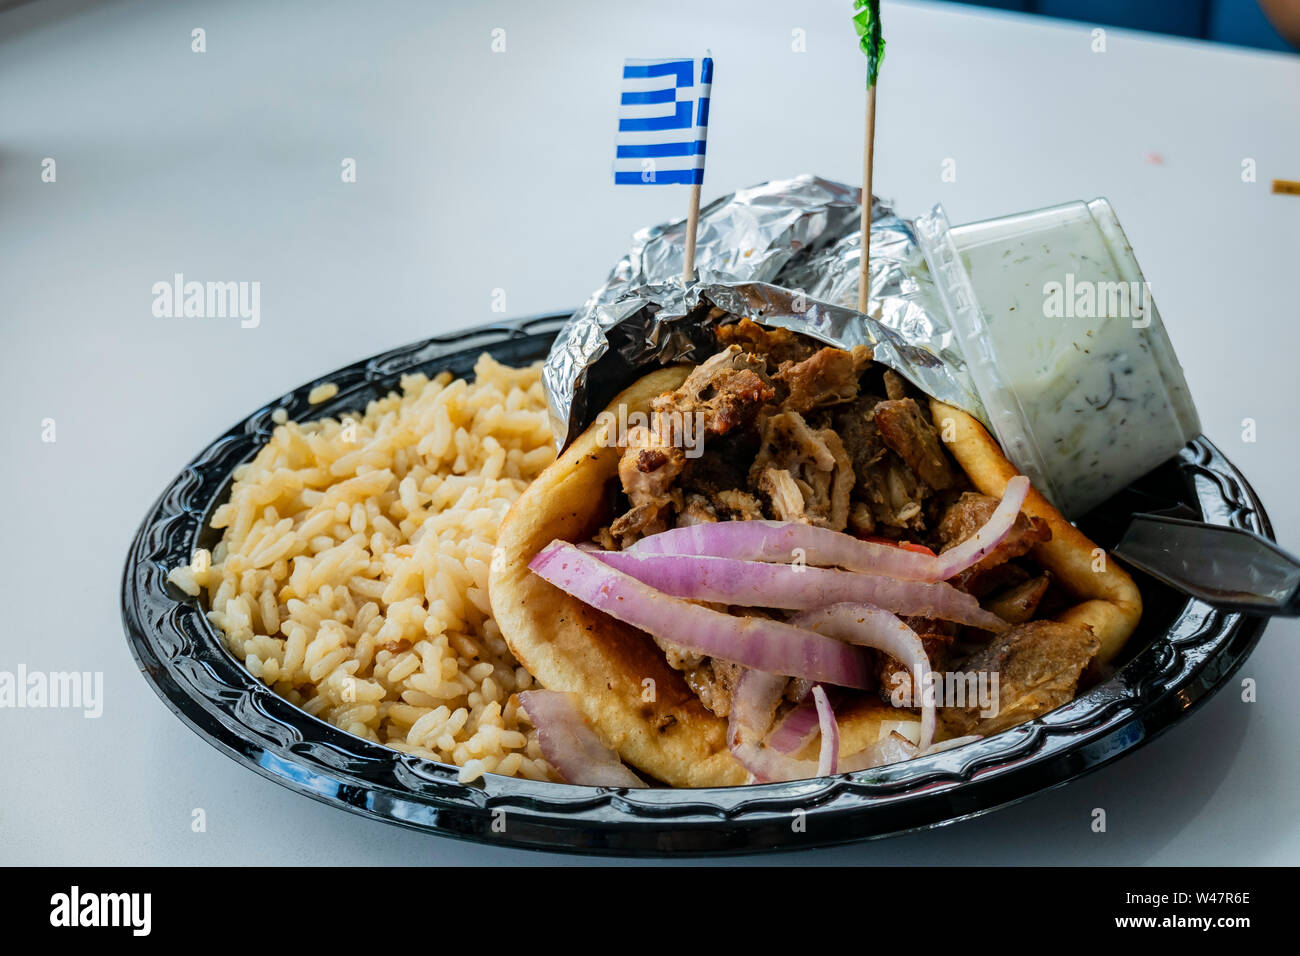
{"x": 692, "y": 222}
{"x": 864, "y": 277}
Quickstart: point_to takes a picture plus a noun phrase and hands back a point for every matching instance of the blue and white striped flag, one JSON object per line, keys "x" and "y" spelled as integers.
{"x": 663, "y": 122}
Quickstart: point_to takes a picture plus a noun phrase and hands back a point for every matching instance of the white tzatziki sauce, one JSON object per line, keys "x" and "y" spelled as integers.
{"x": 1079, "y": 343}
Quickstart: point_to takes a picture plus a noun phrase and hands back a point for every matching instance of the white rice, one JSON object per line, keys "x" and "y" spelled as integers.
{"x": 351, "y": 576}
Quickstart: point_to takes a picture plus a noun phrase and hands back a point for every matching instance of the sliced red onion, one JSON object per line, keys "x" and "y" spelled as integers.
{"x": 757, "y": 695}
{"x": 796, "y": 729}
{"x": 796, "y": 587}
{"x": 869, "y": 626}
{"x": 753, "y": 703}
{"x": 570, "y": 746}
{"x": 768, "y": 766}
{"x": 782, "y": 541}
{"x": 829, "y": 756}
{"x": 760, "y": 643}
{"x": 969, "y": 552}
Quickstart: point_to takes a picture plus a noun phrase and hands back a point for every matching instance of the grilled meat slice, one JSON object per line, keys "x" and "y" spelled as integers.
{"x": 907, "y": 431}
{"x": 861, "y": 437}
{"x": 903, "y": 497}
{"x": 696, "y": 509}
{"x": 648, "y": 470}
{"x": 784, "y": 494}
{"x": 720, "y": 479}
{"x": 711, "y": 680}
{"x": 1038, "y": 666}
{"x": 714, "y": 681}
{"x": 828, "y": 377}
{"x": 806, "y": 474}
{"x": 895, "y": 385}
{"x": 1017, "y": 604}
{"x": 737, "y": 505}
{"x": 993, "y": 580}
{"x": 727, "y": 391}
{"x": 777, "y": 345}
{"x": 890, "y": 492}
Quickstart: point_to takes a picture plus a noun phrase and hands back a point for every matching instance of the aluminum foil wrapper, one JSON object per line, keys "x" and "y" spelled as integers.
{"x": 784, "y": 253}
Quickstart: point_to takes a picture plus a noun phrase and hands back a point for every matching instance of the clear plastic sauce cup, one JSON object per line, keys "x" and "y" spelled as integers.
{"x": 1063, "y": 341}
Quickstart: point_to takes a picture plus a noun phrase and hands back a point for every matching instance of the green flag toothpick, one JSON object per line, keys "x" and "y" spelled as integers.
{"x": 866, "y": 20}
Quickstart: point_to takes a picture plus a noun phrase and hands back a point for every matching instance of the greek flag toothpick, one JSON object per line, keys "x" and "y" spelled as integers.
{"x": 663, "y": 122}
{"x": 663, "y": 125}
{"x": 866, "y": 21}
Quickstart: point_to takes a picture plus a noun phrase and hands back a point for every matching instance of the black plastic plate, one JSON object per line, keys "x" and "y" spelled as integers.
{"x": 1182, "y": 653}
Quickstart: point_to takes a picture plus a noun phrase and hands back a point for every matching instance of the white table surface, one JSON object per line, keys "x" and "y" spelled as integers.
{"x": 480, "y": 171}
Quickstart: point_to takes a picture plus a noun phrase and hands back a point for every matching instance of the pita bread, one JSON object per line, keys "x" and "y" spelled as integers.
{"x": 639, "y": 705}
